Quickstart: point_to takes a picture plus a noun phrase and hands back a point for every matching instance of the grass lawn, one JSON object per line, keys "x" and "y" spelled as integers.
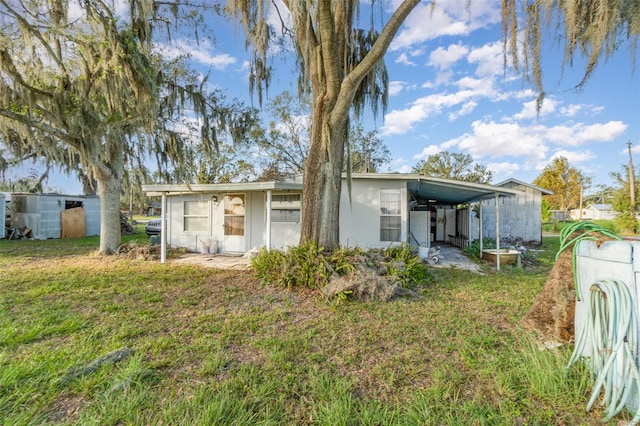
{"x": 97, "y": 340}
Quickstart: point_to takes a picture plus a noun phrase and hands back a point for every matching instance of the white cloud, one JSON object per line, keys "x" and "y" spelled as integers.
{"x": 529, "y": 109}
{"x": 445, "y": 58}
{"x": 490, "y": 139}
{"x": 488, "y": 59}
{"x": 574, "y": 157}
{"x": 426, "y": 152}
{"x": 571, "y": 110}
{"x": 200, "y": 53}
{"x": 448, "y": 17}
{"x": 395, "y": 87}
{"x": 403, "y": 59}
{"x": 466, "y": 109}
{"x": 401, "y": 121}
{"x": 504, "y": 168}
{"x": 532, "y": 143}
{"x": 600, "y": 131}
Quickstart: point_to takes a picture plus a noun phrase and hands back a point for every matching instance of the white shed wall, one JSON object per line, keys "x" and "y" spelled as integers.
{"x": 520, "y": 216}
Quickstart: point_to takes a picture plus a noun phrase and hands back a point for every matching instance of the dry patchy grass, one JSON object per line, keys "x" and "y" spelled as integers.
{"x": 215, "y": 347}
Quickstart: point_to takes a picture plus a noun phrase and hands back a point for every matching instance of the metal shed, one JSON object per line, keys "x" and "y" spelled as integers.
{"x": 43, "y": 213}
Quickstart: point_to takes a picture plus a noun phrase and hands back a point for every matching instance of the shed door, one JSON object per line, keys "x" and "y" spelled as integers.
{"x": 234, "y": 222}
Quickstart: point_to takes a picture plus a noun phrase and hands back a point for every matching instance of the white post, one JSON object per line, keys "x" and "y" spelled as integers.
{"x": 497, "y": 233}
{"x": 268, "y": 220}
{"x": 480, "y": 218}
{"x": 163, "y": 229}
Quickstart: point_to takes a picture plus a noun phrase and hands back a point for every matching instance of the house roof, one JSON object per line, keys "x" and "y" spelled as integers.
{"x": 434, "y": 190}
{"x": 186, "y": 188}
{"x": 444, "y": 191}
{"x": 602, "y": 207}
{"x": 519, "y": 182}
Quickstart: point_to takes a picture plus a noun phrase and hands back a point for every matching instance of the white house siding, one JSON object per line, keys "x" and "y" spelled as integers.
{"x": 360, "y": 219}
{"x": 520, "y": 216}
{"x": 192, "y": 240}
{"x": 283, "y": 234}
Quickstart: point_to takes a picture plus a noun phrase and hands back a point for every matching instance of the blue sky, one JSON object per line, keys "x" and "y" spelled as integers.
{"x": 449, "y": 91}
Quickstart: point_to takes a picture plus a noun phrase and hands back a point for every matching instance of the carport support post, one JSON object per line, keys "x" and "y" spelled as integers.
{"x": 163, "y": 230}
{"x": 268, "y": 220}
{"x": 497, "y": 233}
{"x": 480, "y": 218}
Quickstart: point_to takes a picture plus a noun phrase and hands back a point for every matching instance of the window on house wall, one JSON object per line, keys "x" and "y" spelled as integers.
{"x": 285, "y": 208}
{"x": 196, "y": 216}
{"x": 390, "y": 215}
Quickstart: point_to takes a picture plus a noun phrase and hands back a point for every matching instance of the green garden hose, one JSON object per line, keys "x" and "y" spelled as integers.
{"x": 609, "y": 339}
{"x": 584, "y": 231}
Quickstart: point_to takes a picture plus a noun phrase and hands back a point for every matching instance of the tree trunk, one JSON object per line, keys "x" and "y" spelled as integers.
{"x": 322, "y": 182}
{"x": 333, "y": 94}
{"x": 109, "y": 185}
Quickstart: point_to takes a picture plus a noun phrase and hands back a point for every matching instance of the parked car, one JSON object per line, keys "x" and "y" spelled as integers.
{"x": 153, "y": 227}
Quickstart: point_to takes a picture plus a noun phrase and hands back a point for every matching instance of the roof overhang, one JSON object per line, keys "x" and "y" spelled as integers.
{"x": 446, "y": 191}
{"x": 180, "y": 189}
{"x": 443, "y": 191}
{"x": 433, "y": 190}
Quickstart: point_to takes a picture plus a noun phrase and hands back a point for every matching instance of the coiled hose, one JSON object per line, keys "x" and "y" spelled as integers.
{"x": 609, "y": 339}
{"x": 576, "y": 232}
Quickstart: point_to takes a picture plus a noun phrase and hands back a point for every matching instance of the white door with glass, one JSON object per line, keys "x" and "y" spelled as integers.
{"x": 234, "y": 222}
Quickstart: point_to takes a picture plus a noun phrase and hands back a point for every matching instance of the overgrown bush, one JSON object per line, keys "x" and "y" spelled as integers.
{"x": 305, "y": 265}
{"x": 406, "y": 266}
{"x": 309, "y": 266}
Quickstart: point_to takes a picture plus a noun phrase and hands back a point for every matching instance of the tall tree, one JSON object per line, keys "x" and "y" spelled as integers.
{"x": 565, "y": 181}
{"x": 593, "y": 29}
{"x": 454, "y": 165}
{"x": 283, "y": 148}
{"x": 341, "y": 67}
{"x": 85, "y": 82}
{"x": 82, "y": 88}
{"x": 367, "y": 151}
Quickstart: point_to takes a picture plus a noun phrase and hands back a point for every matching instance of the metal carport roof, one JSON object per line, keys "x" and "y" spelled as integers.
{"x": 443, "y": 191}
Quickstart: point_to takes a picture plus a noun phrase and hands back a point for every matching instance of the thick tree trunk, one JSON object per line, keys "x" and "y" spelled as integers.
{"x": 333, "y": 93}
{"x": 109, "y": 185}
{"x": 109, "y": 189}
{"x": 322, "y": 184}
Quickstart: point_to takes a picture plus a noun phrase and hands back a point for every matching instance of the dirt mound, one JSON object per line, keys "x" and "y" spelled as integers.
{"x": 553, "y": 309}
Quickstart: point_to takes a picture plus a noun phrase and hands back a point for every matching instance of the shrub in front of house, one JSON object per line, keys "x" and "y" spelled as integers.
{"x": 309, "y": 266}
{"x": 306, "y": 265}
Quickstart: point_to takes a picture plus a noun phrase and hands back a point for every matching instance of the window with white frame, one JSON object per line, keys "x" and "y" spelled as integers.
{"x": 390, "y": 214}
{"x": 196, "y": 216}
{"x": 285, "y": 207}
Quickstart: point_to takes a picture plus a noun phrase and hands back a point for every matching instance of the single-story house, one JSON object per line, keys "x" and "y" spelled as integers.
{"x": 55, "y": 215}
{"x": 594, "y": 212}
{"x": 382, "y": 210}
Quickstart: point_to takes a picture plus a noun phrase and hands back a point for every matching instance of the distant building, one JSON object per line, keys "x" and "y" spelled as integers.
{"x": 594, "y": 212}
